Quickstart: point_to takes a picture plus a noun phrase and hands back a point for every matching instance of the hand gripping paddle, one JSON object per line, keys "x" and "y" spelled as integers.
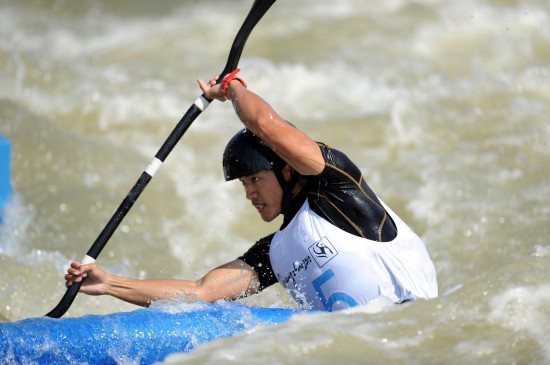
{"x": 259, "y": 8}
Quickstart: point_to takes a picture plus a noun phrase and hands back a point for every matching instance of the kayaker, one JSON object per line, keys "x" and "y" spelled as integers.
{"x": 339, "y": 244}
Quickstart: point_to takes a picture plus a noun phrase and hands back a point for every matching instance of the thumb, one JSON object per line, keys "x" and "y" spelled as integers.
{"x": 203, "y": 85}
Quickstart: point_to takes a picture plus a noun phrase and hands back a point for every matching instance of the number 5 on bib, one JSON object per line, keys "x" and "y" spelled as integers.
{"x": 334, "y": 297}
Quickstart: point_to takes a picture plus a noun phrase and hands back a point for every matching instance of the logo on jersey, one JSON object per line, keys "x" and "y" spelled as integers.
{"x": 322, "y": 251}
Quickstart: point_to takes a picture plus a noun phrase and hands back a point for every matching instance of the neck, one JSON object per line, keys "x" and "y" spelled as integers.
{"x": 298, "y": 186}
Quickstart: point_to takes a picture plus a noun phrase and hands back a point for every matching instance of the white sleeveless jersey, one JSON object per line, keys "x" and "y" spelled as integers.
{"x": 325, "y": 268}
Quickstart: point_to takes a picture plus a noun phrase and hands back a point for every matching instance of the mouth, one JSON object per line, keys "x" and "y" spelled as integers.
{"x": 259, "y": 207}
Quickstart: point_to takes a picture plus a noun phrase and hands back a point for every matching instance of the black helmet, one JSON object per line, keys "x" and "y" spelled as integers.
{"x": 246, "y": 154}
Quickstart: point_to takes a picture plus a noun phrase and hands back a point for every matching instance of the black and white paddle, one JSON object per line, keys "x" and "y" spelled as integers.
{"x": 259, "y": 8}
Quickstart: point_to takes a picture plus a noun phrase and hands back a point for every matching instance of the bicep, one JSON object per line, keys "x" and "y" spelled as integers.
{"x": 230, "y": 281}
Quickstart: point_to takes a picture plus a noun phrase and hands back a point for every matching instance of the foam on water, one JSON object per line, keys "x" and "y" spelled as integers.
{"x": 523, "y": 309}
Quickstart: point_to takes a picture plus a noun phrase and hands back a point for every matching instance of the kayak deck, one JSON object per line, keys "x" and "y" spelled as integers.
{"x": 143, "y": 335}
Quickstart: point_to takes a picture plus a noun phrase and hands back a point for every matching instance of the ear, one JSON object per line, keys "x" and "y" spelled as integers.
{"x": 288, "y": 171}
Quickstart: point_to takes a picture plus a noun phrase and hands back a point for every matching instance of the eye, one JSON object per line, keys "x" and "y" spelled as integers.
{"x": 255, "y": 179}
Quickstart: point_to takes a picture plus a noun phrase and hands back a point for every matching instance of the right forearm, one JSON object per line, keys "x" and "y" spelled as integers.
{"x": 143, "y": 292}
{"x": 230, "y": 281}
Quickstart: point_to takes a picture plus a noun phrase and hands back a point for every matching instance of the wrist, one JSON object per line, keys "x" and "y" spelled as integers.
{"x": 228, "y": 79}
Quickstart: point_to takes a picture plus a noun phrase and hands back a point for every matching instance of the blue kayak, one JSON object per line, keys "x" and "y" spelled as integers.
{"x": 142, "y": 336}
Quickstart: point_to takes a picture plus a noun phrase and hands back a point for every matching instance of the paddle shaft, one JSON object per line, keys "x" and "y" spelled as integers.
{"x": 259, "y": 8}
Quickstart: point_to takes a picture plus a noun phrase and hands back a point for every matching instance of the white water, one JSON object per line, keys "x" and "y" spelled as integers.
{"x": 443, "y": 104}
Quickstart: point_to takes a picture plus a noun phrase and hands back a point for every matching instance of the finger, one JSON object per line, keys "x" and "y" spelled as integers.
{"x": 73, "y": 272}
{"x": 73, "y": 278}
{"x": 204, "y": 87}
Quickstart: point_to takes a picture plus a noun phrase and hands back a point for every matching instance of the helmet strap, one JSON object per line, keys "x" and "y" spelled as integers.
{"x": 287, "y": 187}
{"x": 280, "y": 178}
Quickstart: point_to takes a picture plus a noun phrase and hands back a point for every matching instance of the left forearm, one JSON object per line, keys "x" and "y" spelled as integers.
{"x": 254, "y": 112}
{"x": 292, "y": 145}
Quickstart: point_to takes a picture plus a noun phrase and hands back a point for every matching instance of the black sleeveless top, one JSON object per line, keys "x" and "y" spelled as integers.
{"x": 341, "y": 196}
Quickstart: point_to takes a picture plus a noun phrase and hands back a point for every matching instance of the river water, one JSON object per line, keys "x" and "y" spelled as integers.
{"x": 445, "y": 105}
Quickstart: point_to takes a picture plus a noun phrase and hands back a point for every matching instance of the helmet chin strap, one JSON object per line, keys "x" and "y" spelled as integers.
{"x": 287, "y": 187}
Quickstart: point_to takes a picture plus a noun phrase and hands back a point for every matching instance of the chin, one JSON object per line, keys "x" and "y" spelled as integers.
{"x": 269, "y": 218}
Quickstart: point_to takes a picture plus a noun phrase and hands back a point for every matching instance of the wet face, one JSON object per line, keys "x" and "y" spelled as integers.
{"x": 264, "y": 192}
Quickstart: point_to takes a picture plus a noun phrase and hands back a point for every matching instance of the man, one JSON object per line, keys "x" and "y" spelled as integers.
{"x": 339, "y": 244}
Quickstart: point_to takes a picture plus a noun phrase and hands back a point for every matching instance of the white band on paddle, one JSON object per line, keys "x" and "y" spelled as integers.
{"x": 202, "y": 103}
{"x": 87, "y": 260}
{"x": 153, "y": 167}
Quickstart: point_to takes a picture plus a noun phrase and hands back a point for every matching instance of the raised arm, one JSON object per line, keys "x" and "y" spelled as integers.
{"x": 292, "y": 145}
{"x": 230, "y": 281}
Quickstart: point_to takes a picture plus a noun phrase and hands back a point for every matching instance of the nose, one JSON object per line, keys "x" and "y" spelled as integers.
{"x": 250, "y": 191}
